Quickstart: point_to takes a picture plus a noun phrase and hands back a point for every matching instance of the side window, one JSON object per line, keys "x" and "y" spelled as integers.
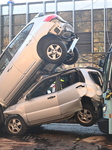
{"x": 4, "y": 61}
{"x": 77, "y": 77}
{"x": 65, "y": 80}
{"x": 71, "y": 78}
{"x": 47, "y": 86}
{"x": 96, "y": 78}
{"x": 18, "y": 41}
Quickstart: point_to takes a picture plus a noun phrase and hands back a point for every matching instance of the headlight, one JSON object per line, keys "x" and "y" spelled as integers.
{"x": 104, "y": 108}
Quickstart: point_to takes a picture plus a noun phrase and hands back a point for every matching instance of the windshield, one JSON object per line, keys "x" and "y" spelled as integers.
{"x": 107, "y": 69}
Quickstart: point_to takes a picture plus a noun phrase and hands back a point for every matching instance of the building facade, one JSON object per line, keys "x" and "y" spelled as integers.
{"x": 91, "y": 19}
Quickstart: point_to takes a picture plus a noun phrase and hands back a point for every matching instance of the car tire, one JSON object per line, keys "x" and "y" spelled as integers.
{"x": 73, "y": 57}
{"x": 15, "y": 126}
{"x": 86, "y": 117}
{"x": 52, "y": 50}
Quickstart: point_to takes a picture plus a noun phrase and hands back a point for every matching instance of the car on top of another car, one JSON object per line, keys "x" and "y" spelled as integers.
{"x": 45, "y": 40}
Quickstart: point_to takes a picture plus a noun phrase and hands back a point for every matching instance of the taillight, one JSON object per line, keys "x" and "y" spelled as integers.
{"x": 51, "y": 17}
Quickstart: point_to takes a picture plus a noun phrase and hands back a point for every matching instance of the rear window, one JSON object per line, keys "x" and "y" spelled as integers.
{"x": 96, "y": 78}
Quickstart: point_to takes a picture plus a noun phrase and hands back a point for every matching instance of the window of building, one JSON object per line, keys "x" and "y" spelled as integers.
{"x": 98, "y": 36}
{"x": 98, "y": 47}
{"x": 83, "y": 27}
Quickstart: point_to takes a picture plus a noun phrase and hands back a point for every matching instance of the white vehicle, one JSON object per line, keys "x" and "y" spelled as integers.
{"x": 105, "y": 122}
{"x": 46, "y": 39}
{"x": 60, "y": 96}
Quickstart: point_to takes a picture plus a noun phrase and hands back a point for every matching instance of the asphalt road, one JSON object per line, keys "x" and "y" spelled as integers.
{"x": 58, "y": 136}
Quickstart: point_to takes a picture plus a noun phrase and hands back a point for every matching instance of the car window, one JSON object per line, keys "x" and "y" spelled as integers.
{"x": 76, "y": 77}
{"x": 65, "y": 80}
{"x": 18, "y": 41}
{"x": 46, "y": 87}
{"x": 4, "y": 61}
{"x": 71, "y": 78}
{"x": 96, "y": 78}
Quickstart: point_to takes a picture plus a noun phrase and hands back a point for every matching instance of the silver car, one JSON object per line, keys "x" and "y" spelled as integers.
{"x": 71, "y": 93}
{"x": 42, "y": 45}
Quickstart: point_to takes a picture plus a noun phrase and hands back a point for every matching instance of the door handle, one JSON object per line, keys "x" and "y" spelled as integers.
{"x": 51, "y": 97}
{"x": 80, "y": 86}
{"x": 9, "y": 69}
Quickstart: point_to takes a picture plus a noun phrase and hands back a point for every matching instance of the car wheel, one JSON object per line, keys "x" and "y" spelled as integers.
{"x": 52, "y": 50}
{"x": 86, "y": 117}
{"x": 72, "y": 57}
{"x": 15, "y": 126}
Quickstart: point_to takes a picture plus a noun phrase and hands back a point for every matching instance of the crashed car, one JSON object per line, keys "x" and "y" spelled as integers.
{"x": 45, "y": 40}
{"x": 72, "y": 93}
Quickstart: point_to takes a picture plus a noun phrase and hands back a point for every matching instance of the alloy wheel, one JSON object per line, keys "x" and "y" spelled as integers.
{"x": 54, "y": 51}
{"x": 85, "y": 116}
{"x": 15, "y": 125}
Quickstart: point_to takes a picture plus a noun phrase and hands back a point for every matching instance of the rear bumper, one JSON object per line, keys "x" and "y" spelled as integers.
{"x": 103, "y": 125}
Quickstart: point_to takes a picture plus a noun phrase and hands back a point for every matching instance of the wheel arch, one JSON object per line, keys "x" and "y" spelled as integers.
{"x": 15, "y": 115}
{"x": 88, "y": 117}
{"x": 87, "y": 100}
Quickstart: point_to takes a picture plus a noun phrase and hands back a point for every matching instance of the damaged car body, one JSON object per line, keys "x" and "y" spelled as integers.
{"x": 62, "y": 95}
{"x": 46, "y": 42}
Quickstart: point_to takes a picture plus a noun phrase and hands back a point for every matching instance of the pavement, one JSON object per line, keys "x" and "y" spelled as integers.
{"x": 58, "y": 136}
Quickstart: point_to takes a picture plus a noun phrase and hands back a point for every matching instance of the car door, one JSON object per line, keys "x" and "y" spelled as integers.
{"x": 9, "y": 75}
{"x": 69, "y": 97}
{"x": 42, "y": 108}
{"x": 23, "y": 51}
{"x": 7, "y": 82}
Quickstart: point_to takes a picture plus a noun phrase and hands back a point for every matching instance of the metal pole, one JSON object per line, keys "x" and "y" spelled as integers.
{"x": 10, "y": 21}
{"x": 0, "y": 29}
{"x": 92, "y": 28}
{"x": 27, "y": 13}
{"x": 105, "y": 25}
{"x": 74, "y": 15}
{"x": 55, "y": 6}
{"x": 44, "y": 7}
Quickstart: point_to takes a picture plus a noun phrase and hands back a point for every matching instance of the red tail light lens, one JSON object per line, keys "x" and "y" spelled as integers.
{"x": 49, "y": 18}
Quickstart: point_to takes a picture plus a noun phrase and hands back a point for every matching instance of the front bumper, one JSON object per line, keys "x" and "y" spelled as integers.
{"x": 103, "y": 125}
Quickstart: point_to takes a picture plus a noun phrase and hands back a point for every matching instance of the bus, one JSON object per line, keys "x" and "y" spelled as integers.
{"x": 105, "y": 122}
